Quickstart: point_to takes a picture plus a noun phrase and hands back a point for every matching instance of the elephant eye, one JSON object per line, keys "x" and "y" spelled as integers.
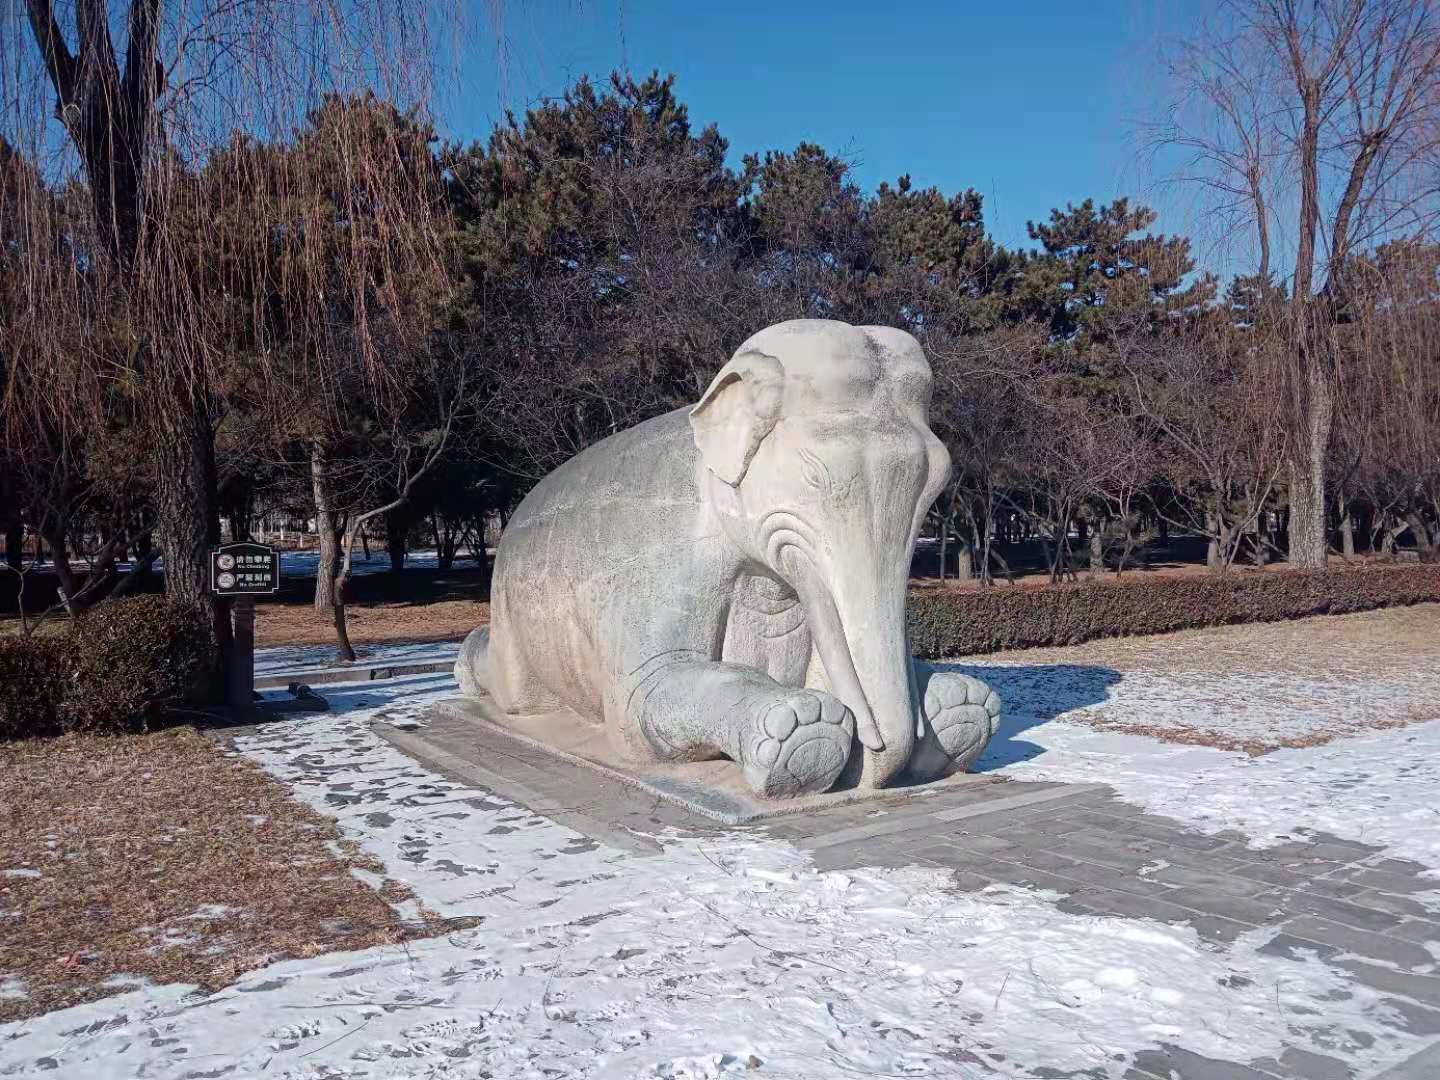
{"x": 813, "y": 470}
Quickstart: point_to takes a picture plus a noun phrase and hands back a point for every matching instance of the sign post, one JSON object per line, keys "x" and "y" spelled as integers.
{"x": 239, "y": 572}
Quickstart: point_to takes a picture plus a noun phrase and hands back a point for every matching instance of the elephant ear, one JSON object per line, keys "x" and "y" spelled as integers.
{"x": 737, "y": 412}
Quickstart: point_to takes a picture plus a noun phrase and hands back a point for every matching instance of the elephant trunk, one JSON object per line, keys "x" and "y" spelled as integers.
{"x": 857, "y": 620}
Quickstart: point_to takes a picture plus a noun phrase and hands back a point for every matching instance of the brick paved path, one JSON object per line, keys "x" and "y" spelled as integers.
{"x": 1340, "y": 900}
{"x": 1337, "y": 899}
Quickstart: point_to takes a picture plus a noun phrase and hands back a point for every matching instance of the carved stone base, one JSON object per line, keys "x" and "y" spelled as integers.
{"x": 715, "y": 789}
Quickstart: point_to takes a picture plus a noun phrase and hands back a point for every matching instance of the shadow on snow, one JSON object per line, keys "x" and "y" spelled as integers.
{"x": 1032, "y": 695}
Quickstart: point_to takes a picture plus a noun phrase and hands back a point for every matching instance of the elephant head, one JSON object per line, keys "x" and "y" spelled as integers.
{"x": 818, "y": 458}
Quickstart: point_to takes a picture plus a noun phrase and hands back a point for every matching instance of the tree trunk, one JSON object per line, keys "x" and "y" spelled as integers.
{"x": 1309, "y": 545}
{"x": 1097, "y": 551}
{"x": 327, "y": 518}
{"x": 1212, "y": 549}
{"x": 964, "y": 563}
{"x": 395, "y": 540}
{"x": 1420, "y": 531}
{"x": 15, "y": 545}
{"x": 944, "y": 538}
{"x": 1347, "y": 528}
{"x": 980, "y": 537}
{"x": 444, "y": 543}
{"x": 188, "y": 514}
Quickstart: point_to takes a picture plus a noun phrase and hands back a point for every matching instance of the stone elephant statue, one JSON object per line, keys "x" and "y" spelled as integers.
{"x": 729, "y": 580}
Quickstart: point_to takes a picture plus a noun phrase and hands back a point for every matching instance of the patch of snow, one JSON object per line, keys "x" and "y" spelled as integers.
{"x": 724, "y": 954}
{"x": 211, "y": 911}
{"x": 12, "y": 989}
{"x": 1251, "y": 708}
{"x": 21, "y": 872}
{"x": 1378, "y": 788}
{"x": 299, "y": 659}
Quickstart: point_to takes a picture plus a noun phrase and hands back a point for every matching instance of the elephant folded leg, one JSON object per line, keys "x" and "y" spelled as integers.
{"x": 472, "y": 666}
{"x": 958, "y": 715}
{"x": 787, "y": 740}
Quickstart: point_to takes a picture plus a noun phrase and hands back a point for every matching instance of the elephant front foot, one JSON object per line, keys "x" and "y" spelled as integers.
{"x": 795, "y": 743}
{"x": 959, "y": 715}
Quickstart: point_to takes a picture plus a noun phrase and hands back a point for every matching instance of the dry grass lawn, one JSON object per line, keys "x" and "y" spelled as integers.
{"x": 371, "y": 624}
{"x": 162, "y": 857}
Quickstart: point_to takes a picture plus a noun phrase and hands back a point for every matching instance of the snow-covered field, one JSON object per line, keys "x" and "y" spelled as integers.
{"x": 1380, "y": 788}
{"x": 732, "y": 955}
{"x": 297, "y": 659}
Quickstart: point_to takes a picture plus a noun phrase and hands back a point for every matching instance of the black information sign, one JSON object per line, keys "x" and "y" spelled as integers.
{"x": 241, "y": 569}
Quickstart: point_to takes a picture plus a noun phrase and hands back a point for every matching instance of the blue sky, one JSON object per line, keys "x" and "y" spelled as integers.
{"x": 1033, "y": 102}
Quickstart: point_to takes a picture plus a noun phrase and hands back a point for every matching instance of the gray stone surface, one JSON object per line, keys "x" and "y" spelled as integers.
{"x": 1104, "y": 858}
{"x": 1422, "y": 1066}
{"x": 475, "y": 728}
{"x": 728, "y": 581}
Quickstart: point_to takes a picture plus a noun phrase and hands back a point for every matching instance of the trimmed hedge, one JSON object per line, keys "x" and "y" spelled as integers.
{"x": 119, "y": 668}
{"x": 952, "y": 622}
{"x": 32, "y": 686}
{"x": 132, "y": 659}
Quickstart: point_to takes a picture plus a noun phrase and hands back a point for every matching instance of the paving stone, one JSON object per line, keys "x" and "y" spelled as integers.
{"x": 1399, "y": 866}
{"x": 1341, "y": 911}
{"x": 1335, "y": 847}
{"x": 1021, "y": 803}
{"x": 1038, "y": 827}
{"x": 1143, "y": 827}
{"x": 1296, "y": 1063}
{"x": 1116, "y": 808}
{"x": 1416, "y": 1019}
{"x": 980, "y": 842}
{"x": 1335, "y": 889}
{"x": 1041, "y": 860}
{"x": 1257, "y": 911}
{"x": 1107, "y": 851}
{"x": 1109, "y": 878}
{"x": 1180, "y": 875}
{"x": 1396, "y": 905}
{"x": 1381, "y": 947}
{"x": 1424, "y": 1065}
{"x": 1212, "y": 928}
{"x": 932, "y": 849}
{"x": 1422, "y": 988}
{"x": 850, "y": 857}
{"x": 1305, "y": 1064}
{"x": 1158, "y": 851}
{"x": 1290, "y": 857}
{"x": 1290, "y": 947}
{"x": 1173, "y": 1061}
{"x": 1280, "y": 875}
{"x": 1040, "y": 879}
{"x": 1070, "y": 906}
{"x": 964, "y": 881}
{"x": 1110, "y": 902}
{"x": 1325, "y": 846}
{"x": 1386, "y": 881}
{"x": 1417, "y": 930}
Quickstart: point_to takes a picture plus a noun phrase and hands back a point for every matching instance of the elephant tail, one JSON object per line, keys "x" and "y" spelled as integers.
{"x": 472, "y": 666}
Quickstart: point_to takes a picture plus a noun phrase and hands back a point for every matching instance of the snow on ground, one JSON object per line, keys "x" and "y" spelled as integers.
{"x": 1380, "y": 788}
{"x": 1257, "y": 687}
{"x": 727, "y": 954}
{"x": 298, "y": 659}
{"x": 1245, "y": 710}
{"x": 304, "y": 563}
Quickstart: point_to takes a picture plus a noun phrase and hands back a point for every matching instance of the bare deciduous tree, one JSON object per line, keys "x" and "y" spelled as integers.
{"x": 1317, "y": 121}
